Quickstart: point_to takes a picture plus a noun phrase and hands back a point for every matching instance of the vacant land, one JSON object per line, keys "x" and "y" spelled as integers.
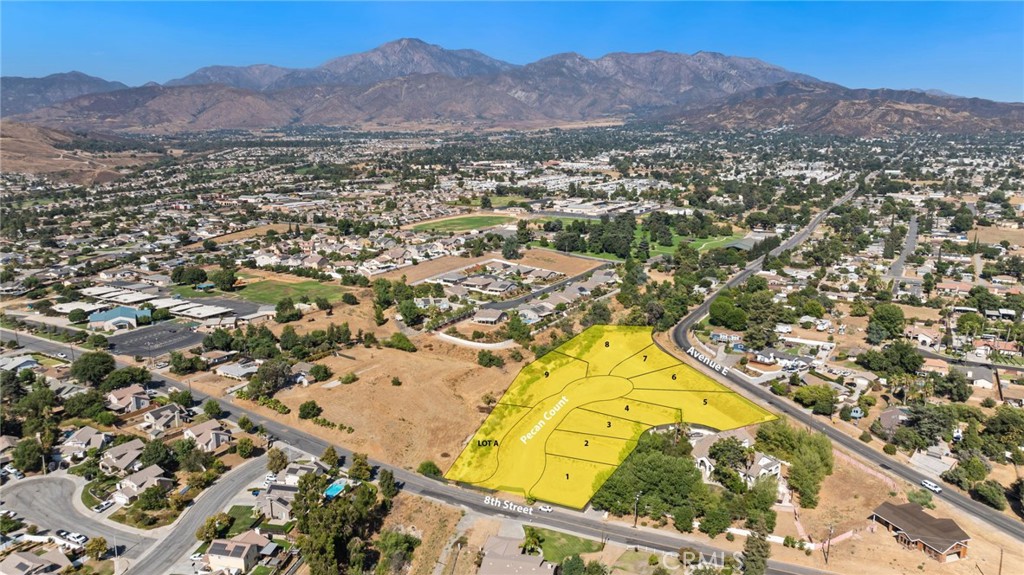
{"x": 994, "y": 235}
{"x": 558, "y": 545}
{"x": 433, "y": 523}
{"x": 258, "y": 231}
{"x": 571, "y": 417}
{"x": 429, "y": 416}
{"x": 273, "y": 291}
{"x": 463, "y": 223}
{"x": 548, "y": 259}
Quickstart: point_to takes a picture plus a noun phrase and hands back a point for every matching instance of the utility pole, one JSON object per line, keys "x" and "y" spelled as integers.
{"x": 828, "y": 542}
{"x": 636, "y": 508}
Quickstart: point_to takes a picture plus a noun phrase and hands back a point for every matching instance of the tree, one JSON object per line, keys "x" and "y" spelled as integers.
{"x": 598, "y": 314}
{"x": 246, "y": 424}
{"x": 271, "y": 376}
{"x": 756, "y": 551}
{"x": 28, "y": 455}
{"x": 728, "y": 452}
{"x": 322, "y": 303}
{"x": 151, "y": 499}
{"x": 991, "y": 493}
{"x": 970, "y": 323}
{"x": 188, "y": 275}
{"x": 96, "y": 548}
{"x": 430, "y": 469}
{"x": 276, "y": 460}
{"x": 124, "y": 377}
{"x": 93, "y": 367}
{"x": 510, "y": 249}
{"x": 183, "y": 397}
{"x": 330, "y": 457}
{"x": 78, "y": 315}
{"x": 378, "y": 315}
{"x": 572, "y": 565}
{"x": 890, "y": 317}
{"x": 209, "y": 245}
{"x": 485, "y": 202}
{"x": 487, "y": 358}
{"x": 157, "y": 453}
{"x": 224, "y": 279}
{"x": 532, "y": 540}
{"x": 309, "y": 410}
{"x": 387, "y": 484}
{"x": 820, "y": 398}
{"x": 360, "y": 468}
{"x": 213, "y": 526}
{"x": 320, "y": 372}
{"x": 286, "y": 311}
{"x": 245, "y": 448}
{"x": 349, "y": 299}
{"x": 212, "y": 409}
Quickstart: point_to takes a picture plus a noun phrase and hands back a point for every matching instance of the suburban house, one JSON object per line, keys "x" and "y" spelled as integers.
{"x": 942, "y": 539}
{"x": 81, "y": 441}
{"x": 295, "y": 471}
{"x": 128, "y": 399}
{"x": 123, "y": 458}
{"x": 18, "y": 364}
{"x": 276, "y": 502}
{"x": 164, "y": 418}
{"x": 129, "y": 488}
{"x": 503, "y": 556}
{"x": 28, "y": 563}
{"x": 487, "y": 316}
{"x": 238, "y": 554}
{"x": 7, "y": 443}
{"x": 240, "y": 371}
{"x": 208, "y": 435}
{"x": 216, "y": 357}
{"x": 923, "y": 335}
{"x": 757, "y": 466}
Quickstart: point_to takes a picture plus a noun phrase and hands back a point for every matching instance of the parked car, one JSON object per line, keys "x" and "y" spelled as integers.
{"x": 17, "y": 474}
{"x": 103, "y": 506}
{"x": 62, "y": 355}
{"x": 162, "y": 365}
{"x": 546, "y": 508}
{"x": 62, "y": 533}
{"x": 196, "y": 557}
{"x": 931, "y": 486}
{"x": 77, "y": 538}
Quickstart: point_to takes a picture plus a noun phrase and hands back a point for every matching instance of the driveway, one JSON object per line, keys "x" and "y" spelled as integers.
{"x": 47, "y": 503}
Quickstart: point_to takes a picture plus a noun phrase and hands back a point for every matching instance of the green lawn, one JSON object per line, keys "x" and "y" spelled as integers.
{"x": 47, "y": 361}
{"x": 187, "y": 291}
{"x": 272, "y": 291}
{"x": 558, "y": 545}
{"x": 261, "y": 570}
{"x": 711, "y": 243}
{"x": 497, "y": 201}
{"x": 242, "y": 519}
{"x": 463, "y": 223}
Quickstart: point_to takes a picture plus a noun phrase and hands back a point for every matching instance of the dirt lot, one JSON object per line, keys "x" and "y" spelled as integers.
{"x": 391, "y": 422}
{"x": 432, "y": 523}
{"x": 994, "y": 235}
{"x": 549, "y": 260}
{"x": 920, "y": 313}
{"x": 244, "y": 234}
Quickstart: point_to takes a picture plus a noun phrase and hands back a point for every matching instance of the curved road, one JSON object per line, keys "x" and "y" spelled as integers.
{"x": 680, "y": 335}
{"x": 24, "y": 497}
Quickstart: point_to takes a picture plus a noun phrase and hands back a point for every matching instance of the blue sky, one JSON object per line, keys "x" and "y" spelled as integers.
{"x": 970, "y": 49}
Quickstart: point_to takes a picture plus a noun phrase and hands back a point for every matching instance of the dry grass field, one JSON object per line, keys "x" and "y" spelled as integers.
{"x": 433, "y": 523}
{"x": 244, "y": 234}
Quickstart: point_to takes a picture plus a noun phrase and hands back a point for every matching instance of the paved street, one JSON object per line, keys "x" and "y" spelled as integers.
{"x": 47, "y": 502}
{"x": 182, "y": 539}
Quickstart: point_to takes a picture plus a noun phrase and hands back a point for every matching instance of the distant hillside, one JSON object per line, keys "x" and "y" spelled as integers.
{"x": 20, "y": 95}
{"x": 409, "y": 83}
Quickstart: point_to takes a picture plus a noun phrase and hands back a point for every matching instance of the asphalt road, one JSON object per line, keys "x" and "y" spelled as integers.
{"x": 910, "y": 244}
{"x": 46, "y": 502}
{"x": 564, "y": 519}
{"x": 182, "y": 539}
{"x": 680, "y": 337}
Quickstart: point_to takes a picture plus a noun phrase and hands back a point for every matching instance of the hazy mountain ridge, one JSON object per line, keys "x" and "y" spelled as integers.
{"x": 410, "y": 82}
{"x": 20, "y": 95}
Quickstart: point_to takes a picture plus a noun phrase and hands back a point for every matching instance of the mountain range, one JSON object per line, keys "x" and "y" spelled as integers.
{"x": 409, "y": 83}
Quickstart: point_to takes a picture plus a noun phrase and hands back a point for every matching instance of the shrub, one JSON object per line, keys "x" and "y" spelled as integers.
{"x": 309, "y": 410}
{"x": 990, "y": 493}
{"x": 988, "y": 402}
{"x": 866, "y": 437}
{"x": 399, "y": 341}
{"x": 889, "y": 449}
{"x": 349, "y": 299}
{"x": 274, "y": 404}
{"x": 324, "y": 422}
{"x": 922, "y": 497}
{"x": 430, "y": 469}
{"x": 488, "y": 359}
{"x": 349, "y": 377}
{"x": 395, "y": 381}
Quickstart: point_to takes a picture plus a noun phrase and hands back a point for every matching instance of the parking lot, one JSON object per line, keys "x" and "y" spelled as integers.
{"x": 155, "y": 340}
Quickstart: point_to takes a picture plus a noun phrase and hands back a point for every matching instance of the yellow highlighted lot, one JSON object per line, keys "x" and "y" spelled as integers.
{"x": 571, "y": 417}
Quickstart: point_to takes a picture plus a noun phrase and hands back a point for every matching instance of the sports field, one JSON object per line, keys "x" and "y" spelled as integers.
{"x": 463, "y": 223}
{"x": 571, "y": 417}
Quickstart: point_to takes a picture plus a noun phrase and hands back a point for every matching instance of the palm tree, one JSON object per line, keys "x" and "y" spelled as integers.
{"x": 532, "y": 541}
